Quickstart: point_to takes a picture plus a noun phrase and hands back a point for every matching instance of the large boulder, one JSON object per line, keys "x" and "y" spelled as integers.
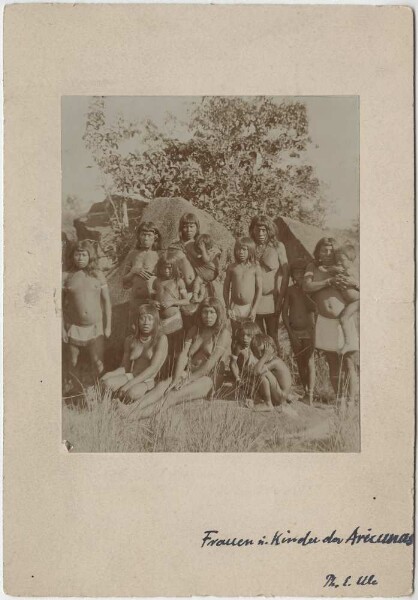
{"x": 95, "y": 225}
{"x": 166, "y": 213}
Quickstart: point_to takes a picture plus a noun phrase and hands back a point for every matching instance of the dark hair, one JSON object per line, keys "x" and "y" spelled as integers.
{"x": 250, "y": 244}
{"x": 85, "y": 246}
{"x": 148, "y": 309}
{"x": 249, "y": 327}
{"x": 264, "y": 221}
{"x": 206, "y": 239}
{"x": 260, "y": 340}
{"x": 189, "y": 218}
{"x": 325, "y": 241}
{"x": 215, "y": 303}
{"x": 348, "y": 250}
{"x": 166, "y": 259}
{"x": 149, "y": 226}
{"x": 298, "y": 265}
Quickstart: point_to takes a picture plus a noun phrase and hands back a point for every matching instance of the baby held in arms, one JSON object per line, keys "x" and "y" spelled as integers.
{"x": 204, "y": 257}
{"x": 347, "y": 282}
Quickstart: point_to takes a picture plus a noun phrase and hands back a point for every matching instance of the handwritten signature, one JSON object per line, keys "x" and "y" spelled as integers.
{"x": 331, "y": 580}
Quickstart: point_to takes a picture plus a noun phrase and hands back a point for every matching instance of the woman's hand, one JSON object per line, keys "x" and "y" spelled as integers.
{"x": 122, "y": 391}
{"x": 64, "y": 336}
{"x": 107, "y": 331}
{"x": 344, "y": 282}
{"x": 141, "y": 273}
{"x": 181, "y": 381}
{"x": 252, "y": 314}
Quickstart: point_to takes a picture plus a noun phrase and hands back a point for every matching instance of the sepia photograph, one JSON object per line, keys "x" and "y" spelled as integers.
{"x": 210, "y": 274}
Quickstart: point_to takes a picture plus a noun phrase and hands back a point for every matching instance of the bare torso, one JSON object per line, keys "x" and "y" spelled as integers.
{"x": 186, "y": 269}
{"x": 167, "y": 290}
{"x": 329, "y": 301}
{"x": 243, "y": 278}
{"x": 272, "y": 272}
{"x": 140, "y": 355}
{"x": 142, "y": 259}
{"x": 204, "y": 344}
{"x": 82, "y": 296}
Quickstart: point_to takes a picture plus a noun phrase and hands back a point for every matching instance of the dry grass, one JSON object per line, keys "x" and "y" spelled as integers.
{"x": 208, "y": 426}
{"x": 219, "y": 425}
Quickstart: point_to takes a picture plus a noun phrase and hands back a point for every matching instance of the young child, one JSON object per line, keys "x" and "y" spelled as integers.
{"x": 241, "y": 356}
{"x": 203, "y": 255}
{"x": 243, "y": 284}
{"x": 344, "y": 257}
{"x": 275, "y": 379}
{"x": 299, "y": 320}
{"x": 140, "y": 267}
{"x": 170, "y": 293}
{"x": 84, "y": 323}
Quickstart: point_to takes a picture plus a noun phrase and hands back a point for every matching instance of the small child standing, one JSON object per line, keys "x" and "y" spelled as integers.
{"x": 243, "y": 284}
{"x": 275, "y": 379}
{"x": 344, "y": 257}
{"x": 299, "y": 320}
{"x": 170, "y": 293}
{"x": 85, "y": 290}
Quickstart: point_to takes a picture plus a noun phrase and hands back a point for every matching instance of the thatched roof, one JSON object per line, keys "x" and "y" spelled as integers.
{"x": 300, "y": 239}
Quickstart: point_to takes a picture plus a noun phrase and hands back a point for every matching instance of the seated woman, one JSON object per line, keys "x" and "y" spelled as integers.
{"x": 145, "y": 352}
{"x": 195, "y": 371}
{"x": 328, "y": 333}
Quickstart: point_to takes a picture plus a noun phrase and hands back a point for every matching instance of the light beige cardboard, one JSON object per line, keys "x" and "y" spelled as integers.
{"x": 132, "y": 524}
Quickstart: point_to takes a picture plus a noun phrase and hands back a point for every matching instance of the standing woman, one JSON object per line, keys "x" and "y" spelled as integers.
{"x": 145, "y": 352}
{"x": 189, "y": 229}
{"x": 271, "y": 255}
{"x": 195, "y": 372}
{"x": 140, "y": 267}
{"x": 323, "y": 285}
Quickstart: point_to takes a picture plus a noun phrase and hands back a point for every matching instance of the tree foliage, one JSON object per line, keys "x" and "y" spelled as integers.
{"x": 243, "y": 156}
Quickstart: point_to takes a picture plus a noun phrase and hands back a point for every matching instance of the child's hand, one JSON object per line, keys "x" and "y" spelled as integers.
{"x": 201, "y": 245}
{"x": 167, "y": 304}
{"x": 107, "y": 331}
{"x": 194, "y": 299}
{"x": 268, "y": 352}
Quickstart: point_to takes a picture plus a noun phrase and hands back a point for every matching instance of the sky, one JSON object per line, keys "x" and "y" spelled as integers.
{"x": 334, "y": 152}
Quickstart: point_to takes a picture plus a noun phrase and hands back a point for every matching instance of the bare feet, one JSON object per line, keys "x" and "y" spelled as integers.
{"x": 308, "y": 398}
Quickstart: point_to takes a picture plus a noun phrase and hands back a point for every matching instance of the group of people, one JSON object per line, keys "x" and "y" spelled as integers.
{"x": 186, "y": 331}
